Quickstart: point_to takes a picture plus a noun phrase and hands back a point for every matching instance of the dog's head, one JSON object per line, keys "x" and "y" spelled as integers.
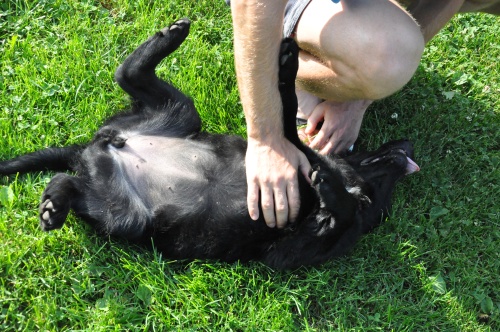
{"x": 381, "y": 169}
{"x": 393, "y": 159}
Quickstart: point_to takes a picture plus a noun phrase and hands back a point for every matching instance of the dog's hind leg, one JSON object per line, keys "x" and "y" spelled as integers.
{"x": 137, "y": 73}
{"x": 57, "y": 199}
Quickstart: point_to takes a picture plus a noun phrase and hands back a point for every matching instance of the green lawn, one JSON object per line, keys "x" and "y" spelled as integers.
{"x": 433, "y": 266}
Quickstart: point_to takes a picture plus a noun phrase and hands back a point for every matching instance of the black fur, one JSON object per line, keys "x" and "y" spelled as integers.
{"x": 151, "y": 176}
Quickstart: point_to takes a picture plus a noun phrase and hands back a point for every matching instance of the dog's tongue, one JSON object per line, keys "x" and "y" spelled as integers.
{"x": 412, "y": 167}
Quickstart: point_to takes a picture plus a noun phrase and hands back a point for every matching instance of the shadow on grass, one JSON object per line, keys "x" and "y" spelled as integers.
{"x": 448, "y": 213}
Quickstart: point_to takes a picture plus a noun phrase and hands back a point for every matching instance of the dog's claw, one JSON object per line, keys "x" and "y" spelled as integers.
{"x": 314, "y": 175}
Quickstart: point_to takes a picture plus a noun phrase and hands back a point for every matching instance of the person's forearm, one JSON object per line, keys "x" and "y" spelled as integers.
{"x": 257, "y": 34}
{"x": 432, "y": 15}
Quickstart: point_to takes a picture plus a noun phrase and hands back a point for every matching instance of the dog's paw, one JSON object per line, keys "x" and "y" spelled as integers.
{"x": 321, "y": 180}
{"x": 333, "y": 193}
{"x": 325, "y": 187}
{"x": 52, "y": 215}
{"x": 318, "y": 175}
{"x": 363, "y": 200}
{"x": 288, "y": 61}
{"x": 179, "y": 29}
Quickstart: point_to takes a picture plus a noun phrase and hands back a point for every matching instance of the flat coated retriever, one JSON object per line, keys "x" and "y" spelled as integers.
{"x": 151, "y": 176}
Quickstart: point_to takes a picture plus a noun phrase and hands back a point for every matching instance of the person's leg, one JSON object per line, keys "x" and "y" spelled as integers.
{"x": 351, "y": 53}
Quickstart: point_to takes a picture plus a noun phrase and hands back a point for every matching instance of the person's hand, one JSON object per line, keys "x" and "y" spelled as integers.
{"x": 340, "y": 128}
{"x": 272, "y": 169}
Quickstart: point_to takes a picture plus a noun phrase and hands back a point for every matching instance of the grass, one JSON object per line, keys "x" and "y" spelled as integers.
{"x": 432, "y": 266}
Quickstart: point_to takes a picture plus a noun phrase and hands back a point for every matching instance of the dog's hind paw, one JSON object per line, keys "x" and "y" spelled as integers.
{"x": 165, "y": 42}
{"x": 51, "y": 215}
{"x": 179, "y": 28}
{"x": 56, "y": 201}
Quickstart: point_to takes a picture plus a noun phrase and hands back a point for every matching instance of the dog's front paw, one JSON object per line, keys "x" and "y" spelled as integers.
{"x": 317, "y": 175}
{"x": 363, "y": 200}
{"x": 288, "y": 61}
{"x": 322, "y": 181}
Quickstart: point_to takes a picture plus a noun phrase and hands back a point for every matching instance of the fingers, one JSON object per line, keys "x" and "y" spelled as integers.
{"x": 327, "y": 129}
{"x": 281, "y": 207}
{"x": 336, "y": 146}
{"x": 267, "y": 203}
{"x": 276, "y": 202}
{"x": 253, "y": 200}
{"x": 272, "y": 178}
{"x": 330, "y": 138}
{"x": 293, "y": 196}
{"x": 328, "y": 141}
{"x": 341, "y": 125}
{"x": 314, "y": 119}
{"x": 287, "y": 203}
{"x": 293, "y": 192}
{"x": 321, "y": 138}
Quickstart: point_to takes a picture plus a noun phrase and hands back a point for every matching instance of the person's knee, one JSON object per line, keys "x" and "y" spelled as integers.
{"x": 389, "y": 61}
{"x": 372, "y": 48}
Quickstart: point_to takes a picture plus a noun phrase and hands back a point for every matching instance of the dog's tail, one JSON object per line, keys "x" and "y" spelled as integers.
{"x": 50, "y": 159}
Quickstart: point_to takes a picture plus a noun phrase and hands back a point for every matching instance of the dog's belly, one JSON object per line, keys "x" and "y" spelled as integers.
{"x": 163, "y": 159}
{"x": 180, "y": 173}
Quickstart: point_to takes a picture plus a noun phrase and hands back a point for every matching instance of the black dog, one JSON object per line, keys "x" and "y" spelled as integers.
{"x": 151, "y": 176}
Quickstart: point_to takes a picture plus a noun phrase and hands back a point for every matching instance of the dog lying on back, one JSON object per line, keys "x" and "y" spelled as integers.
{"x": 151, "y": 176}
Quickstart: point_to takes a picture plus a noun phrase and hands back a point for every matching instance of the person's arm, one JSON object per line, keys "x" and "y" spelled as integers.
{"x": 433, "y": 15}
{"x": 272, "y": 162}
